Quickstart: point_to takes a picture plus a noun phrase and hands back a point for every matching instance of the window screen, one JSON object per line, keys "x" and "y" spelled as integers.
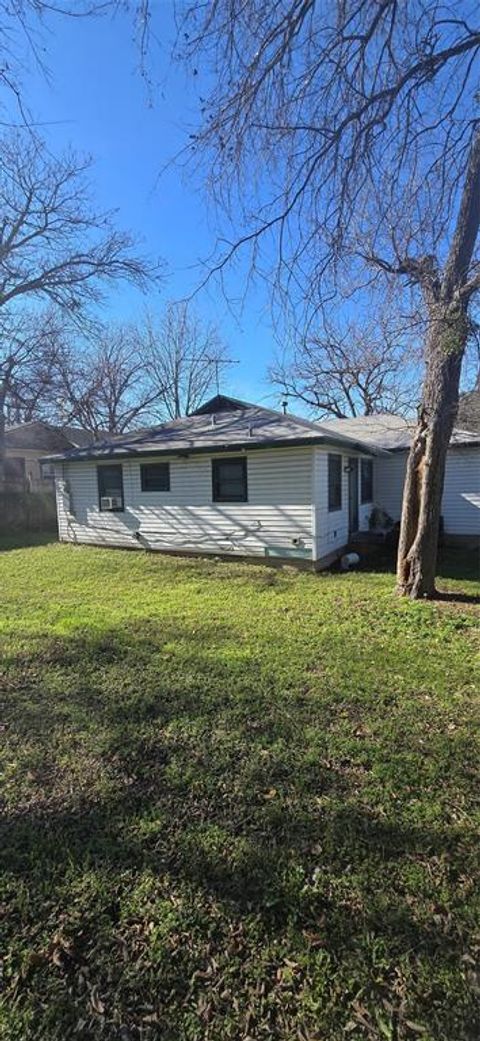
{"x": 110, "y": 484}
{"x": 229, "y": 480}
{"x": 334, "y": 482}
{"x": 155, "y": 477}
{"x": 366, "y": 480}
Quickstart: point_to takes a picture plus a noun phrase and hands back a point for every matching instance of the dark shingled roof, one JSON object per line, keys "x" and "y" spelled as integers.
{"x": 44, "y": 437}
{"x": 221, "y": 424}
{"x": 393, "y": 433}
{"x": 79, "y": 438}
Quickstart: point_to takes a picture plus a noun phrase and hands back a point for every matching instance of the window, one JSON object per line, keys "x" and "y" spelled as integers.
{"x": 47, "y": 471}
{"x": 366, "y": 480}
{"x": 229, "y": 480}
{"x": 334, "y": 482}
{"x": 155, "y": 477}
{"x": 110, "y": 486}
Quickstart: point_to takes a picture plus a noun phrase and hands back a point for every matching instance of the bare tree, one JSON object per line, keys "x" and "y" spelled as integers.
{"x": 350, "y": 370}
{"x": 347, "y": 132}
{"x": 186, "y": 360}
{"x": 130, "y": 375}
{"x": 106, "y": 388}
{"x": 29, "y": 349}
{"x": 53, "y": 245}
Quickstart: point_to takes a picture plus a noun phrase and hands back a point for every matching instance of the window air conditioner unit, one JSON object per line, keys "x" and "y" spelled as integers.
{"x": 110, "y": 502}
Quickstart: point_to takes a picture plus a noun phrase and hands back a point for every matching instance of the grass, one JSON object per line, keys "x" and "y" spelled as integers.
{"x": 238, "y": 803}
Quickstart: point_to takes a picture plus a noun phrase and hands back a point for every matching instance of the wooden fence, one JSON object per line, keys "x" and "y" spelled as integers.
{"x": 27, "y": 511}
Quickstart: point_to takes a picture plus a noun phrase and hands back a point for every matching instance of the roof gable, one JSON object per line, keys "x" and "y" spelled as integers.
{"x": 220, "y": 403}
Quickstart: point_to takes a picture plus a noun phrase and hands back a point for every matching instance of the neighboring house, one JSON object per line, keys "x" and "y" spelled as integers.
{"x": 461, "y": 494}
{"x": 468, "y": 415}
{"x": 233, "y": 478}
{"x": 25, "y": 446}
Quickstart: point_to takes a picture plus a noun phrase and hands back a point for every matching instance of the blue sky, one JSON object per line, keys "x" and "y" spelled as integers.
{"x": 95, "y": 100}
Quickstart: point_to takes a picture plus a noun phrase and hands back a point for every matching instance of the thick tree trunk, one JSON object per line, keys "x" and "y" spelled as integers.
{"x": 2, "y": 437}
{"x": 447, "y": 297}
{"x": 422, "y": 497}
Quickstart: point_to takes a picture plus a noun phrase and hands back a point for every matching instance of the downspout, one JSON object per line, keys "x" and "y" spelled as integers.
{"x": 315, "y": 506}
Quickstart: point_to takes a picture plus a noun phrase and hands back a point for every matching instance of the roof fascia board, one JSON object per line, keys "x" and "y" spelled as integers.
{"x": 241, "y": 446}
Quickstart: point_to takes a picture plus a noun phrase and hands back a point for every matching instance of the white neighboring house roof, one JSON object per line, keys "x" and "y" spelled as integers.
{"x": 220, "y": 425}
{"x": 393, "y": 433}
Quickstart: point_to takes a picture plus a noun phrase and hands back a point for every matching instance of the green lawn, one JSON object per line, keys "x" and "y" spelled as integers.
{"x": 238, "y": 803}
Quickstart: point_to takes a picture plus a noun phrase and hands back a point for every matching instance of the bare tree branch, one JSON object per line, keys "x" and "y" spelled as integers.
{"x": 313, "y": 106}
{"x": 186, "y": 360}
{"x": 105, "y": 387}
{"x": 353, "y": 369}
{"x": 22, "y": 42}
{"x": 54, "y": 248}
{"x": 53, "y": 245}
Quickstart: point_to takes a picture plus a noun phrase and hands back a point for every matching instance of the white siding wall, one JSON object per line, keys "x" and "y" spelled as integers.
{"x": 461, "y": 495}
{"x": 388, "y": 478}
{"x": 278, "y": 509}
{"x": 331, "y": 529}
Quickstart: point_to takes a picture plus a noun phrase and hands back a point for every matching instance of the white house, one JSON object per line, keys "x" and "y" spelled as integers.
{"x": 461, "y": 495}
{"x": 233, "y": 478}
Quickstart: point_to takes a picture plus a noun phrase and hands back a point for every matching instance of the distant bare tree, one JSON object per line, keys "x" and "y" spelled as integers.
{"x": 29, "y": 348}
{"x": 186, "y": 360}
{"x": 350, "y": 370}
{"x": 160, "y": 369}
{"x": 106, "y": 388}
{"x": 347, "y": 132}
{"x": 53, "y": 245}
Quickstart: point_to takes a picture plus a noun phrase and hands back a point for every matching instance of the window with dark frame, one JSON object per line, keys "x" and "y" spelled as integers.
{"x": 366, "y": 480}
{"x": 47, "y": 471}
{"x": 155, "y": 477}
{"x": 229, "y": 480}
{"x": 110, "y": 486}
{"x": 334, "y": 482}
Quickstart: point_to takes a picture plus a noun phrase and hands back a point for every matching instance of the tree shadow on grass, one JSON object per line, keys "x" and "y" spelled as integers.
{"x": 340, "y": 907}
{"x": 443, "y": 596}
{"x": 453, "y": 563}
{"x": 159, "y": 760}
{"x": 251, "y": 875}
{"x": 459, "y": 563}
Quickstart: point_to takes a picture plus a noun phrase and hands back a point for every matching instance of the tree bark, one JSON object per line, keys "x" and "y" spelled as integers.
{"x": 2, "y": 434}
{"x": 424, "y": 479}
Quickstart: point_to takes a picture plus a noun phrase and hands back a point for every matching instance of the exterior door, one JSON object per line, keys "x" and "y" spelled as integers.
{"x": 352, "y": 495}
